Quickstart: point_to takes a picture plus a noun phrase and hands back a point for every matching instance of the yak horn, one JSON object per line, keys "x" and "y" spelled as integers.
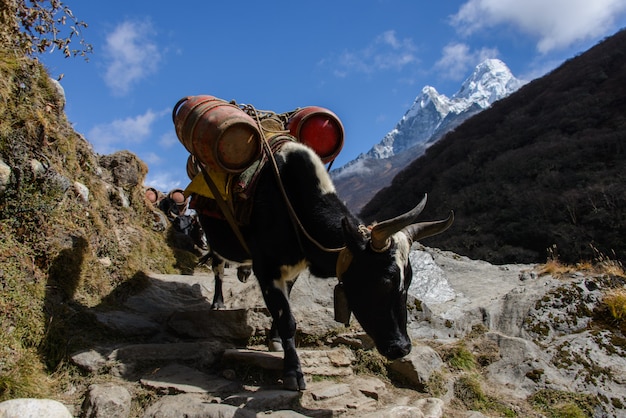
{"x": 421, "y": 230}
{"x": 383, "y": 231}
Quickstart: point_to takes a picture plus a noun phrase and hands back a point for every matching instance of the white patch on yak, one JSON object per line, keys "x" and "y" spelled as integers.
{"x": 289, "y": 274}
{"x": 403, "y": 248}
{"x": 326, "y": 184}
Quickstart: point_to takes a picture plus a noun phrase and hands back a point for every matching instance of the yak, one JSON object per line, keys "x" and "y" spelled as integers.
{"x": 297, "y": 221}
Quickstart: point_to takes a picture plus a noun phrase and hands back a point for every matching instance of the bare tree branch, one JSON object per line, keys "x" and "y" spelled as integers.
{"x": 36, "y": 26}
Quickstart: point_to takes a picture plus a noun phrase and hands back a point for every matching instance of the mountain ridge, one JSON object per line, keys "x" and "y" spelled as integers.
{"x": 430, "y": 116}
{"x": 539, "y": 174}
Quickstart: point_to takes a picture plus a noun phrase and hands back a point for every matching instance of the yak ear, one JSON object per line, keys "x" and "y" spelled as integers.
{"x": 353, "y": 235}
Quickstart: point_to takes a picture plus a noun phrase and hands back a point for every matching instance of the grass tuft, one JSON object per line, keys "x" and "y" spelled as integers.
{"x": 615, "y": 301}
{"x": 561, "y": 404}
{"x": 459, "y": 357}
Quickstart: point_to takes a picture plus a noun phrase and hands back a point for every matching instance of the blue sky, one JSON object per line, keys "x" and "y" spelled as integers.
{"x": 365, "y": 60}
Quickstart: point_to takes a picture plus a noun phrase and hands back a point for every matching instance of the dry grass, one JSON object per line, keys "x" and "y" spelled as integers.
{"x": 615, "y": 301}
{"x": 559, "y": 404}
{"x": 601, "y": 264}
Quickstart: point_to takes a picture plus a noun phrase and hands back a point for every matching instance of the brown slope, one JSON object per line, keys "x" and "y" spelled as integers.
{"x": 357, "y": 189}
{"x": 545, "y": 166}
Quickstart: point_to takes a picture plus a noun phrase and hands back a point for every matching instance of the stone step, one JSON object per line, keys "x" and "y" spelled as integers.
{"x": 334, "y": 362}
{"x": 177, "y": 378}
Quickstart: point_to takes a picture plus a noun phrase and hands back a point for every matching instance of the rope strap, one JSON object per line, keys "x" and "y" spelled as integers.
{"x": 226, "y": 210}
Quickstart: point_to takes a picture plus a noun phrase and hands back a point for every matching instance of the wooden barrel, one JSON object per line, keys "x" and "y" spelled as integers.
{"x": 152, "y": 195}
{"x": 219, "y": 134}
{"x": 320, "y": 129}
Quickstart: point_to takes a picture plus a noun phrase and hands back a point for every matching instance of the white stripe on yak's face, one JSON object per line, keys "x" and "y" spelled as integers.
{"x": 326, "y": 184}
{"x": 403, "y": 248}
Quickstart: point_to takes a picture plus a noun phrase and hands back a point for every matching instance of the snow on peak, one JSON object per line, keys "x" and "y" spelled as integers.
{"x": 432, "y": 114}
{"x": 490, "y": 81}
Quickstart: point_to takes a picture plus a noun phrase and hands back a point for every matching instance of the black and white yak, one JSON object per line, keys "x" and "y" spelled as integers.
{"x": 319, "y": 232}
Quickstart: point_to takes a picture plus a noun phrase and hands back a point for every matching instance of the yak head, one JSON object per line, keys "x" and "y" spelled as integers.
{"x": 374, "y": 274}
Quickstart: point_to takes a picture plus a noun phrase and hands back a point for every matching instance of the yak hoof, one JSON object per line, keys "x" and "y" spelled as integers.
{"x": 275, "y": 345}
{"x": 294, "y": 382}
{"x": 217, "y": 306}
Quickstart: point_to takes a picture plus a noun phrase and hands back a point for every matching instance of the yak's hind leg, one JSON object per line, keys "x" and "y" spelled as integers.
{"x": 217, "y": 265}
{"x": 243, "y": 272}
{"x": 276, "y": 296}
{"x": 218, "y": 272}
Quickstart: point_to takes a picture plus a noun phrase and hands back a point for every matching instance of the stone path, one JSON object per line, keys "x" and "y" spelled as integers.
{"x": 196, "y": 361}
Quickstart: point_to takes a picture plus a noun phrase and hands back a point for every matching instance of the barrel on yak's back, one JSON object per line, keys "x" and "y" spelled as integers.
{"x": 219, "y": 134}
{"x": 320, "y": 129}
{"x": 193, "y": 167}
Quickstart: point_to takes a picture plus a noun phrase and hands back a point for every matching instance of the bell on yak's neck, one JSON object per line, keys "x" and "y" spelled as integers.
{"x": 342, "y": 311}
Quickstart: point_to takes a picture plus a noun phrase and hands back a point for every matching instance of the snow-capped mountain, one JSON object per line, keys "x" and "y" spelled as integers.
{"x": 428, "y": 119}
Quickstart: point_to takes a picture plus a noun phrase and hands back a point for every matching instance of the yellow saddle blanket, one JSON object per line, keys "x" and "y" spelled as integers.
{"x": 199, "y": 186}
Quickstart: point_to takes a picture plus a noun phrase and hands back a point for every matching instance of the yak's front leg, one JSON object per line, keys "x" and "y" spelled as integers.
{"x": 275, "y": 293}
{"x": 274, "y": 342}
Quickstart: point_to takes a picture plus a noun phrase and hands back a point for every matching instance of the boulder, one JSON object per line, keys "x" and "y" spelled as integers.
{"x": 107, "y": 400}
{"x": 33, "y": 408}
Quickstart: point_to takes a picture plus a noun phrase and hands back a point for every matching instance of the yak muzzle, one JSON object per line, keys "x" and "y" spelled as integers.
{"x": 396, "y": 350}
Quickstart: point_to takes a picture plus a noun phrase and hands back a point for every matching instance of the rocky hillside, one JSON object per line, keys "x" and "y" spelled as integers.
{"x": 75, "y": 227}
{"x": 541, "y": 169}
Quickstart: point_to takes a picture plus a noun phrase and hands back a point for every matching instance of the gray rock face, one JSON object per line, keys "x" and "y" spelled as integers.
{"x": 418, "y": 366}
{"x": 122, "y": 169}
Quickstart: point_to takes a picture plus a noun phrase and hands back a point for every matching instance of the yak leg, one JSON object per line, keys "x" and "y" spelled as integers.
{"x": 218, "y": 273}
{"x": 243, "y": 272}
{"x": 217, "y": 265}
{"x": 274, "y": 342}
{"x": 277, "y": 302}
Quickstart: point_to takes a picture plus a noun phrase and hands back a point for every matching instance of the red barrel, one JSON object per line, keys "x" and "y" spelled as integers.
{"x": 320, "y": 129}
{"x": 219, "y": 134}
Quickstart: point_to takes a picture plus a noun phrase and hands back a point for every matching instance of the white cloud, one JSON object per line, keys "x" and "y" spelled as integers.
{"x": 131, "y": 55}
{"x": 385, "y": 52}
{"x": 168, "y": 139}
{"x": 356, "y": 168}
{"x": 120, "y": 133}
{"x": 457, "y": 59}
{"x": 152, "y": 158}
{"x": 163, "y": 181}
{"x": 556, "y": 23}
